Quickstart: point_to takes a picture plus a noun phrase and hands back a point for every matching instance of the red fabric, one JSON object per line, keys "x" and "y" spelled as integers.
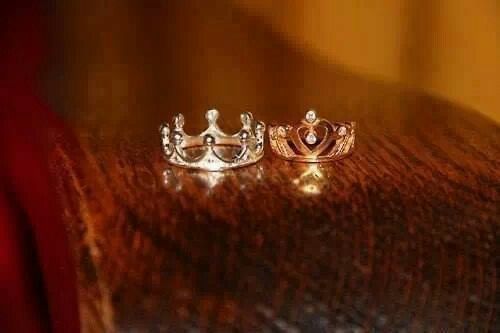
{"x": 37, "y": 277}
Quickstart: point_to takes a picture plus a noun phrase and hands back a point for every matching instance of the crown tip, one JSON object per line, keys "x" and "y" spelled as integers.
{"x": 246, "y": 118}
{"x": 212, "y": 115}
{"x": 311, "y": 116}
{"x": 179, "y": 121}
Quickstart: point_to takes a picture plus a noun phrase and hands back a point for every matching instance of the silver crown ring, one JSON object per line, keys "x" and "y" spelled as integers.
{"x": 213, "y": 150}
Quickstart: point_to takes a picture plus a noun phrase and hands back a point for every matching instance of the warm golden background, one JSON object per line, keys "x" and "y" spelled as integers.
{"x": 449, "y": 48}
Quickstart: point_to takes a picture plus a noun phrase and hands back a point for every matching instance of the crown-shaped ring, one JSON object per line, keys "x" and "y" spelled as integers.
{"x": 213, "y": 150}
{"x": 314, "y": 139}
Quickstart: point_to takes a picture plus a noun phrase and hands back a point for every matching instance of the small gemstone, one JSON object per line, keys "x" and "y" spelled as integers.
{"x": 311, "y": 138}
{"x": 177, "y": 136}
{"x": 342, "y": 131}
{"x": 165, "y": 130}
{"x": 209, "y": 140}
{"x": 244, "y": 135}
{"x": 246, "y": 118}
{"x": 260, "y": 126}
{"x": 311, "y": 116}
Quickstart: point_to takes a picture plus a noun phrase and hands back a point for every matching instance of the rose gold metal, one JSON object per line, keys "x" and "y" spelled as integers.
{"x": 313, "y": 139}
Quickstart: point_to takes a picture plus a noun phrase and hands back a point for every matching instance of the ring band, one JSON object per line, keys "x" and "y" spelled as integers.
{"x": 313, "y": 140}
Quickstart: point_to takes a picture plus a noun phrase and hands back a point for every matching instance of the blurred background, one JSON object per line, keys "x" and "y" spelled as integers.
{"x": 449, "y": 48}
{"x": 121, "y": 56}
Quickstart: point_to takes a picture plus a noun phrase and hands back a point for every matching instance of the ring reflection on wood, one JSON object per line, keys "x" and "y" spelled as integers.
{"x": 205, "y": 181}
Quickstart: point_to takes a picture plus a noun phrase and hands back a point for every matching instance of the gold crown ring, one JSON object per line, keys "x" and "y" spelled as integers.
{"x": 313, "y": 140}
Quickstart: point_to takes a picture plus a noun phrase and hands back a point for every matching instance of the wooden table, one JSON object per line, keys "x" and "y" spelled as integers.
{"x": 403, "y": 236}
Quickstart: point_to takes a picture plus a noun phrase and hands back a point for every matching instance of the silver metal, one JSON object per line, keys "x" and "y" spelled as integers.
{"x": 208, "y": 181}
{"x": 248, "y": 144}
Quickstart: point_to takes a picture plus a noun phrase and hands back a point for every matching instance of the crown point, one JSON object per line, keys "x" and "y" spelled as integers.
{"x": 212, "y": 116}
{"x": 179, "y": 121}
{"x": 246, "y": 118}
{"x": 311, "y": 116}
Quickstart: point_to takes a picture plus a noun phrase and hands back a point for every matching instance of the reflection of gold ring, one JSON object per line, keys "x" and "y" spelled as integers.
{"x": 313, "y": 139}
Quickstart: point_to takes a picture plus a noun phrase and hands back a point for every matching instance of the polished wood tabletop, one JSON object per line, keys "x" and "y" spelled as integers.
{"x": 402, "y": 236}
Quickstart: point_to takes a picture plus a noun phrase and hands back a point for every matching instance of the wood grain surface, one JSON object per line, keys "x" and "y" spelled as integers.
{"x": 402, "y": 236}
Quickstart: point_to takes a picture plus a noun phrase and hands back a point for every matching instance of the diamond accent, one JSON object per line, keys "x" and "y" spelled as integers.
{"x": 311, "y": 116}
{"x": 311, "y": 138}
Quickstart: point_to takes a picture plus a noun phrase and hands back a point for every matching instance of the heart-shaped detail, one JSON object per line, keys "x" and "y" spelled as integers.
{"x": 313, "y": 140}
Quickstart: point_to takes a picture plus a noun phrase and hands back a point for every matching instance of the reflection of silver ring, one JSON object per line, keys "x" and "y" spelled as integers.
{"x": 213, "y": 150}
{"x": 177, "y": 178}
